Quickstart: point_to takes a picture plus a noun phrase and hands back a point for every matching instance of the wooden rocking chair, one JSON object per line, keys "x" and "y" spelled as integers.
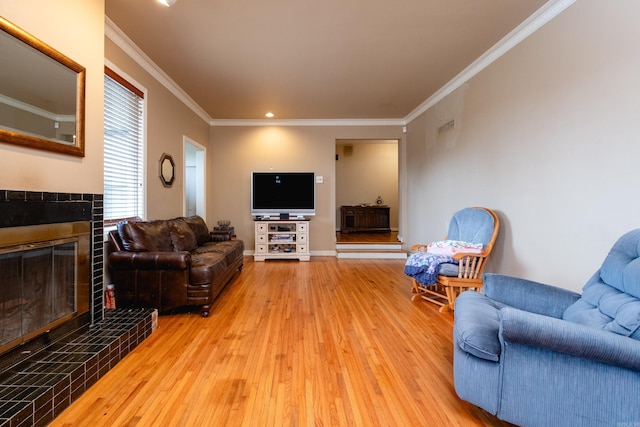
{"x": 473, "y": 225}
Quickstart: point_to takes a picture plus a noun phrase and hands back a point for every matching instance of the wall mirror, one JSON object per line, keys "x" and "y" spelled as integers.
{"x": 167, "y": 170}
{"x": 42, "y": 94}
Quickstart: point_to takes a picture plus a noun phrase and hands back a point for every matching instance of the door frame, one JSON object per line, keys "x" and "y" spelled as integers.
{"x": 201, "y": 181}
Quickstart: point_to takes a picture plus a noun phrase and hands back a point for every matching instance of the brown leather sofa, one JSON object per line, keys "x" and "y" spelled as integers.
{"x": 166, "y": 264}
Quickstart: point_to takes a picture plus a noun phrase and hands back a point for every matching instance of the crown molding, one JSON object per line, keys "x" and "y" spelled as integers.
{"x": 546, "y": 13}
{"x": 116, "y": 35}
{"x": 308, "y": 122}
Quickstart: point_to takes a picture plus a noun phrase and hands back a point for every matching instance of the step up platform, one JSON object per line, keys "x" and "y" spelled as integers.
{"x": 377, "y": 250}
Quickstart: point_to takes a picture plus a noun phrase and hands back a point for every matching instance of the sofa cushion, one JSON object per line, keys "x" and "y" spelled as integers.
{"x": 141, "y": 236}
{"x": 476, "y": 325}
{"x": 182, "y": 236}
{"x": 205, "y": 267}
{"x": 199, "y": 228}
{"x": 231, "y": 249}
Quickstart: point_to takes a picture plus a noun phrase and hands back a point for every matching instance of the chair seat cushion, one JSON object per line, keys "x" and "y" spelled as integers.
{"x": 449, "y": 269}
{"x": 476, "y": 325}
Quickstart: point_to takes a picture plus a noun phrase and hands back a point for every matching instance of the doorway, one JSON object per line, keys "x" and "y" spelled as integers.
{"x": 194, "y": 178}
{"x": 367, "y": 174}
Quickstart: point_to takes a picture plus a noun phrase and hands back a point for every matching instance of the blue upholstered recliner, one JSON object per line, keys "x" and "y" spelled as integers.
{"x": 537, "y": 355}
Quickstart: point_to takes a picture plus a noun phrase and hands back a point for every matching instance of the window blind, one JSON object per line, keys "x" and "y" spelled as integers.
{"x": 123, "y": 151}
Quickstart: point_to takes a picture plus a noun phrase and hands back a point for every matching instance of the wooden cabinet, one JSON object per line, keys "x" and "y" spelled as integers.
{"x": 282, "y": 239}
{"x": 364, "y": 218}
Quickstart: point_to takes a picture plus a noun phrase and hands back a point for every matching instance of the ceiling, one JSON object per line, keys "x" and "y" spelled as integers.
{"x": 330, "y": 59}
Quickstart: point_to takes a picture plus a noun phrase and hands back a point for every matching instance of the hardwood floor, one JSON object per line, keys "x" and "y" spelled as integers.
{"x": 325, "y": 342}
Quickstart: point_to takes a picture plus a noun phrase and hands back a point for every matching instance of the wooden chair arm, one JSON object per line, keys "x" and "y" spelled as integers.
{"x": 460, "y": 255}
{"x": 419, "y": 247}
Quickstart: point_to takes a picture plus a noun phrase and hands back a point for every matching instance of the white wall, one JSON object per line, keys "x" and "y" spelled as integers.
{"x": 548, "y": 137}
{"x": 75, "y": 28}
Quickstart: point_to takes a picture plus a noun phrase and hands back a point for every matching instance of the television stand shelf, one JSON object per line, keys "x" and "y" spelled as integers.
{"x": 282, "y": 239}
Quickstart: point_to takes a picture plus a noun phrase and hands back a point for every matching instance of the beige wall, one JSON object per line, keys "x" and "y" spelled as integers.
{"x": 365, "y": 171}
{"x": 76, "y": 29}
{"x": 548, "y": 137}
{"x": 168, "y": 121}
{"x": 237, "y": 151}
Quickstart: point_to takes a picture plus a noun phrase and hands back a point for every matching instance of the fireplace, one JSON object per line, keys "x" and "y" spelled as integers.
{"x": 44, "y": 281}
{"x": 50, "y": 268}
{"x": 56, "y": 338}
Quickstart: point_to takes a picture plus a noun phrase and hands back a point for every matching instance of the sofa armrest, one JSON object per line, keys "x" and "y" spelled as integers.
{"x": 528, "y": 295}
{"x": 521, "y": 327}
{"x": 125, "y": 260}
{"x": 217, "y": 236}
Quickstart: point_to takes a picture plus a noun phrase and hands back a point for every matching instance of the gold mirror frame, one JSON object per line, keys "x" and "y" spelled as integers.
{"x": 75, "y": 148}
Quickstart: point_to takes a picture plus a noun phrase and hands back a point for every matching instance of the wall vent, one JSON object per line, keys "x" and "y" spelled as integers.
{"x": 447, "y": 126}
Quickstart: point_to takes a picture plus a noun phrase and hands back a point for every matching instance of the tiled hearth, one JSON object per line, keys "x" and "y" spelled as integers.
{"x": 38, "y": 389}
{"x": 42, "y": 377}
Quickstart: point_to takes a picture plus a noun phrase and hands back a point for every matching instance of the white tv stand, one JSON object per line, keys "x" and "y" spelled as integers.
{"x": 282, "y": 239}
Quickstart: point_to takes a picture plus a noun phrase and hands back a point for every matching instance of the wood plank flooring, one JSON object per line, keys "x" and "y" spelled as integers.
{"x": 319, "y": 343}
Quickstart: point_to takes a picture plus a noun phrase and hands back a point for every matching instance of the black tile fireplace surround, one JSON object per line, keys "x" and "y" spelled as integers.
{"x": 27, "y": 208}
{"x": 43, "y": 376}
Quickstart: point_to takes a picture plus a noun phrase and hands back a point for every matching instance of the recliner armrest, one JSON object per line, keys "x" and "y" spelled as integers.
{"x": 521, "y": 327}
{"x": 125, "y": 260}
{"x": 528, "y": 295}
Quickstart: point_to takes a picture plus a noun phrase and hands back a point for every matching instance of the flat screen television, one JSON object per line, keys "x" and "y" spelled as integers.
{"x": 283, "y": 194}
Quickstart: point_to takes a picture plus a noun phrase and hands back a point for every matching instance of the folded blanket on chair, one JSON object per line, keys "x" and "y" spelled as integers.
{"x": 451, "y": 247}
{"x": 425, "y": 266}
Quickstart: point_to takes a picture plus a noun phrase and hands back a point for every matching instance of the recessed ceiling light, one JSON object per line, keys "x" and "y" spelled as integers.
{"x": 269, "y": 114}
{"x": 168, "y": 2}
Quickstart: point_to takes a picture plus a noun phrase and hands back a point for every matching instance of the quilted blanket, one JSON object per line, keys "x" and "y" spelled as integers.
{"x": 425, "y": 266}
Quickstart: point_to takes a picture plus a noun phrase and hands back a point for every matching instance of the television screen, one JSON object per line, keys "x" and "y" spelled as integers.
{"x": 276, "y": 193}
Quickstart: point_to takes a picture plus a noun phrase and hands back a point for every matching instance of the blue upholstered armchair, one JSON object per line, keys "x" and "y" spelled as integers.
{"x": 537, "y": 355}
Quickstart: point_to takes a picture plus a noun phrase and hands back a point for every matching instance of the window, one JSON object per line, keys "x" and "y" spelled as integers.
{"x": 123, "y": 150}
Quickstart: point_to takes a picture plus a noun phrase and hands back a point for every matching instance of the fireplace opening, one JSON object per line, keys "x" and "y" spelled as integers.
{"x": 45, "y": 279}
